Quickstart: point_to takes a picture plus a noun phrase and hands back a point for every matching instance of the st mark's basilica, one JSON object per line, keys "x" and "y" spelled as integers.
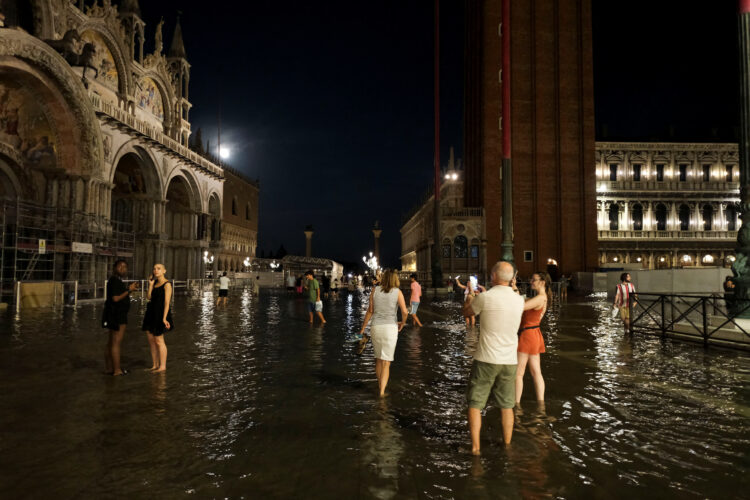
{"x": 95, "y": 161}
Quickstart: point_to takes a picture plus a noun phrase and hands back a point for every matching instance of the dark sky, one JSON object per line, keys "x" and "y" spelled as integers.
{"x": 330, "y": 104}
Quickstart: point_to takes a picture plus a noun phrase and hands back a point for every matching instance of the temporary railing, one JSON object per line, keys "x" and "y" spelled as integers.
{"x": 703, "y": 318}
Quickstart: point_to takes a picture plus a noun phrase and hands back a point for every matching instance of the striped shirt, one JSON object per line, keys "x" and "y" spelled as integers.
{"x": 624, "y": 291}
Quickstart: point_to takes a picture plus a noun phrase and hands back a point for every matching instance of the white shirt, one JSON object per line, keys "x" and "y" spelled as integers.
{"x": 223, "y": 283}
{"x": 501, "y": 309}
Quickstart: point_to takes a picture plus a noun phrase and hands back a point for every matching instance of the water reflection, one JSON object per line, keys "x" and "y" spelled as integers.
{"x": 383, "y": 449}
{"x": 257, "y": 400}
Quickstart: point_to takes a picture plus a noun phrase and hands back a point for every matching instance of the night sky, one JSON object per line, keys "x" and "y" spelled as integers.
{"x": 330, "y": 104}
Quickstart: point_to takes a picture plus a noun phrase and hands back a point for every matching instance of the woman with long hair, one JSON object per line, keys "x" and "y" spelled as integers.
{"x": 385, "y": 300}
{"x": 530, "y": 342}
{"x": 158, "y": 318}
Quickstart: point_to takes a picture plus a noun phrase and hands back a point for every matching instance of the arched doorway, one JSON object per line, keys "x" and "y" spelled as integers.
{"x": 684, "y": 215}
{"x": 637, "y": 217}
{"x": 181, "y": 217}
{"x": 661, "y": 217}
{"x": 134, "y": 209}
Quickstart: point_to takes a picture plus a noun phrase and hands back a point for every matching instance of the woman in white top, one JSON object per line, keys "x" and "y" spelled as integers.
{"x": 385, "y": 300}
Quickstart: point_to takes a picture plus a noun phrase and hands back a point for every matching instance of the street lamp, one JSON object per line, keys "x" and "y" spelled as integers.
{"x": 371, "y": 263}
{"x": 207, "y": 259}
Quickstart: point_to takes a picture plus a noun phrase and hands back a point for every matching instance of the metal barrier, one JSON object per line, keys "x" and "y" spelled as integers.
{"x": 704, "y": 317}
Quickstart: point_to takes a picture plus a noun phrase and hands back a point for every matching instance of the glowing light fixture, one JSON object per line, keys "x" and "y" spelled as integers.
{"x": 224, "y": 152}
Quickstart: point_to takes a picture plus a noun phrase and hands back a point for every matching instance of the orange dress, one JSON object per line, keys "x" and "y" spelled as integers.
{"x": 531, "y": 341}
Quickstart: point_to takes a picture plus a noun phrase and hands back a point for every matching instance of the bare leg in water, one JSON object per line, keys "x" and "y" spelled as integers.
{"x": 382, "y": 372}
{"x": 162, "y": 348}
{"x": 154, "y": 351}
{"x": 112, "y": 351}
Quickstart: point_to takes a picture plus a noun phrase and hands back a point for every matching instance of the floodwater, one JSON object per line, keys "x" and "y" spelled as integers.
{"x": 258, "y": 404}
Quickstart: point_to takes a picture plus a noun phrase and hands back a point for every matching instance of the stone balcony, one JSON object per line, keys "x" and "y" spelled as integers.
{"x": 152, "y": 133}
{"x": 461, "y": 212}
{"x": 667, "y": 235}
{"x": 671, "y": 185}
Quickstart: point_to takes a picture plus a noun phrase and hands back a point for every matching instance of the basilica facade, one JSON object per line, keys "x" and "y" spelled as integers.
{"x": 94, "y": 157}
{"x": 665, "y": 205}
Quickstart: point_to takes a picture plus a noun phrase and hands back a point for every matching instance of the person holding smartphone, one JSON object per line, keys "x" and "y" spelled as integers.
{"x": 158, "y": 318}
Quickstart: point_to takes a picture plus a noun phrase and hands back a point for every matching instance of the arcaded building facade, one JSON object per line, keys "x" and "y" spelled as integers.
{"x": 239, "y": 226}
{"x": 94, "y": 162}
{"x": 664, "y": 205}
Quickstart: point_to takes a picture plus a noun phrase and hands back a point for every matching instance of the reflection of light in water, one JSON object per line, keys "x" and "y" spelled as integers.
{"x": 382, "y": 452}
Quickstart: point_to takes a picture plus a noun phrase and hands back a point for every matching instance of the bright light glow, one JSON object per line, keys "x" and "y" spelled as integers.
{"x": 708, "y": 259}
{"x": 732, "y": 258}
{"x": 207, "y": 259}
{"x": 638, "y": 259}
{"x": 601, "y": 188}
{"x": 246, "y": 262}
{"x": 371, "y": 263}
{"x": 661, "y": 259}
{"x": 686, "y": 258}
{"x": 454, "y": 176}
{"x": 615, "y": 259}
{"x": 224, "y": 152}
{"x": 447, "y": 176}
{"x": 274, "y": 265}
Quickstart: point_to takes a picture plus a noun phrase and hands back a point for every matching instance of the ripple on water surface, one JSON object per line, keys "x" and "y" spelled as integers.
{"x": 257, "y": 401}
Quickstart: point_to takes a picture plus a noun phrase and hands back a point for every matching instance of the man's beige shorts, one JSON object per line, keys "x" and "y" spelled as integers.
{"x": 498, "y": 381}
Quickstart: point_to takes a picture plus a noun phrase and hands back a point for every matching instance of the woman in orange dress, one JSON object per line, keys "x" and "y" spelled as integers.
{"x": 530, "y": 342}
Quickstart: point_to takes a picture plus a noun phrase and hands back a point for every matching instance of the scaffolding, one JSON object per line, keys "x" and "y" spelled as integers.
{"x": 41, "y": 243}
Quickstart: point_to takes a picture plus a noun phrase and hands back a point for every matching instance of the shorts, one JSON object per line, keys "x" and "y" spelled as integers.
{"x": 315, "y": 306}
{"x": 414, "y": 307}
{"x": 625, "y": 313}
{"x": 384, "y": 338}
{"x": 223, "y": 292}
{"x": 487, "y": 379}
{"x": 112, "y": 319}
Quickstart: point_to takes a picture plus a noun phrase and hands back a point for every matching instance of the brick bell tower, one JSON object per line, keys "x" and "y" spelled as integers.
{"x": 552, "y": 121}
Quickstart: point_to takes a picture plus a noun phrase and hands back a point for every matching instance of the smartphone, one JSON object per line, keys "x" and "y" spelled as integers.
{"x": 473, "y": 281}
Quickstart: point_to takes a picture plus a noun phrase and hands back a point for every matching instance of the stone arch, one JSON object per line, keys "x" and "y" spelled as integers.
{"x": 214, "y": 216}
{"x": 196, "y": 201}
{"x": 45, "y": 72}
{"x": 10, "y": 187}
{"x": 151, "y": 171}
{"x": 124, "y": 84}
{"x": 14, "y": 183}
{"x": 683, "y": 217}
{"x": 167, "y": 99}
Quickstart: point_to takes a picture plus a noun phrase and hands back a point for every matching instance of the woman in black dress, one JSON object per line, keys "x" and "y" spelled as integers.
{"x": 158, "y": 318}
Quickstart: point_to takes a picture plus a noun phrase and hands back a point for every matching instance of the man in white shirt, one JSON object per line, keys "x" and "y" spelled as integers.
{"x": 493, "y": 372}
{"x": 223, "y": 289}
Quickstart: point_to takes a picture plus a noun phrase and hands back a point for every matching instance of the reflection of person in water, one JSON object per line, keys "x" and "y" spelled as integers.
{"x": 532, "y": 461}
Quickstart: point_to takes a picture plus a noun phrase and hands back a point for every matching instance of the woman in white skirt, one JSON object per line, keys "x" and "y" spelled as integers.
{"x": 384, "y": 302}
